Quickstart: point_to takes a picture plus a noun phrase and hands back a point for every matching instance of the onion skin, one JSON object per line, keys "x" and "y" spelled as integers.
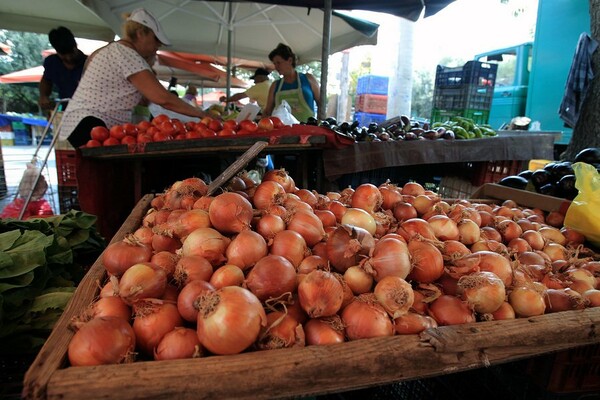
{"x": 413, "y": 323}
{"x": 141, "y": 281}
{"x": 208, "y": 243}
{"x": 271, "y": 277}
{"x": 366, "y": 318}
{"x": 282, "y": 331}
{"x": 178, "y": 344}
{"x": 347, "y": 246}
{"x": 229, "y": 320}
{"x": 153, "y": 319}
{"x": 427, "y": 262}
{"x": 186, "y": 300}
{"x": 321, "y": 331}
{"x": 102, "y": 340}
{"x": 119, "y": 256}
{"x": 246, "y": 249}
{"x": 484, "y": 291}
{"x": 390, "y": 257}
{"x": 450, "y": 310}
{"x": 320, "y": 294}
{"x": 526, "y": 302}
{"x": 395, "y": 295}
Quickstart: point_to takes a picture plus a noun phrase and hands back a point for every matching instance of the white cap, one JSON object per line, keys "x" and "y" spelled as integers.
{"x": 143, "y": 17}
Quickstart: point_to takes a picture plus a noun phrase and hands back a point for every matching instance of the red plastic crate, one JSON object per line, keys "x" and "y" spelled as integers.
{"x": 371, "y": 103}
{"x": 65, "y": 167}
{"x": 493, "y": 171}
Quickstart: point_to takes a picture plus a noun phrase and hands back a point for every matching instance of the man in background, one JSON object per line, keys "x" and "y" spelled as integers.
{"x": 258, "y": 93}
{"x": 61, "y": 70}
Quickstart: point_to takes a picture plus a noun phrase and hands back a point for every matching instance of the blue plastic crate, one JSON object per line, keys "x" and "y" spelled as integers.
{"x": 22, "y": 137}
{"x": 372, "y": 84}
{"x": 364, "y": 119}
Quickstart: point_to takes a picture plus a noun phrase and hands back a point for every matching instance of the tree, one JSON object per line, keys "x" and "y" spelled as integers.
{"x": 422, "y": 93}
{"x": 586, "y": 132}
{"x": 26, "y": 53}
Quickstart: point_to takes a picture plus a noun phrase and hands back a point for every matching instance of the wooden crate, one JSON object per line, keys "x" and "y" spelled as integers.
{"x": 298, "y": 371}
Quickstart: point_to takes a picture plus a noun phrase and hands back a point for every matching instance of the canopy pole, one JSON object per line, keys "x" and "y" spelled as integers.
{"x": 321, "y": 113}
{"x": 229, "y": 51}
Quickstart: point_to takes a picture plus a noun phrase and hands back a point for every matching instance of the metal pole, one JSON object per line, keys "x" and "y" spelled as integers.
{"x": 229, "y": 52}
{"x": 321, "y": 114}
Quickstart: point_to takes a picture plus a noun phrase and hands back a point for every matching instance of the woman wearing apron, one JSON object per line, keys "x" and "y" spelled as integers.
{"x": 300, "y": 91}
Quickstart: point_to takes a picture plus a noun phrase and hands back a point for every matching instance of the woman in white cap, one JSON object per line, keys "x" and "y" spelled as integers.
{"x": 115, "y": 80}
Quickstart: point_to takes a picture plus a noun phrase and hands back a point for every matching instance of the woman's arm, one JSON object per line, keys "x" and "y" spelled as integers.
{"x": 145, "y": 81}
{"x": 316, "y": 89}
{"x": 270, "y": 101}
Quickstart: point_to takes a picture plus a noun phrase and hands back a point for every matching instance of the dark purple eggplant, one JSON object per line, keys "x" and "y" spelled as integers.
{"x": 548, "y": 189}
{"x": 525, "y": 174}
{"x": 565, "y": 187}
{"x": 540, "y": 178}
{"x": 591, "y": 155}
{"x": 514, "y": 181}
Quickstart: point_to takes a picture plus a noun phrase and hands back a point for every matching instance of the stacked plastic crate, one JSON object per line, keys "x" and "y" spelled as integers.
{"x": 67, "y": 178}
{"x": 371, "y": 99}
{"x": 465, "y": 91}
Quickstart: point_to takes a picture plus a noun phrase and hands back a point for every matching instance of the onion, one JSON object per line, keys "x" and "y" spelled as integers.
{"x": 592, "y": 297}
{"x": 308, "y": 197}
{"x": 395, "y": 295}
{"x": 269, "y": 224}
{"x": 427, "y": 262}
{"x": 280, "y": 176}
{"x": 453, "y": 249}
{"x": 227, "y": 275}
{"x": 293, "y": 203}
{"x": 141, "y": 281}
{"x": 268, "y": 193}
{"x": 443, "y": 227}
{"x": 164, "y": 241}
{"x": 191, "y": 268}
{"x": 327, "y": 217}
{"x": 555, "y": 219}
{"x": 153, "y": 319}
{"x": 555, "y": 251}
{"x": 291, "y": 245}
{"x": 490, "y": 233}
{"x": 509, "y": 230}
{"x": 111, "y": 306}
{"x": 450, "y": 310}
{"x": 553, "y": 234}
{"x": 347, "y": 246}
{"x": 563, "y": 300}
{"x": 468, "y": 231}
{"x": 534, "y": 238}
{"x": 338, "y": 209}
{"x": 271, "y": 277}
{"x": 186, "y": 300}
{"x": 311, "y": 263}
{"x": 360, "y": 218}
{"x": 207, "y": 243}
{"x": 423, "y": 203}
{"x": 412, "y": 323}
{"x": 229, "y": 320}
{"x": 413, "y": 189}
{"x": 390, "y": 195}
{"x": 504, "y": 312}
{"x": 187, "y": 222}
{"x": 229, "y": 212}
{"x": 403, "y": 211}
{"x": 246, "y": 249}
{"x": 486, "y": 261}
{"x": 167, "y": 261}
{"x": 366, "y": 318}
{"x": 178, "y": 344}
{"x": 110, "y": 288}
{"x": 390, "y": 257}
{"x": 203, "y": 203}
{"x": 367, "y": 197}
{"x": 143, "y": 235}
{"x": 573, "y": 237}
{"x": 483, "y": 291}
{"x": 526, "y": 302}
{"x": 519, "y": 245}
{"x": 327, "y": 330}
{"x": 282, "y": 331}
{"x": 489, "y": 245}
{"x": 320, "y": 294}
{"x": 308, "y": 225}
{"x": 119, "y": 256}
{"x": 416, "y": 227}
{"x": 358, "y": 280}
{"x": 103, "y": 340}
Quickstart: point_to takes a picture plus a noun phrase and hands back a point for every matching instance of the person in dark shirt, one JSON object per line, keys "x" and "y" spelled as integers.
{"x": 61, "y": 70}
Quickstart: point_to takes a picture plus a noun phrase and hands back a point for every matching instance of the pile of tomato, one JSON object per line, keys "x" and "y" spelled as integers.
{"x": 162, "y": 128}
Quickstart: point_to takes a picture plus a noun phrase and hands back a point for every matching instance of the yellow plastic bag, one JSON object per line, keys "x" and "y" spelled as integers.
{"x": 583, "y": 214}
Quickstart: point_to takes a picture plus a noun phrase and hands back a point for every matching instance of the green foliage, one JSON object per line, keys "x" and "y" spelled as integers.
{"x": 422, "y": 94}
{"x": 41, "y": 262}
{"x": 26, "y": 53}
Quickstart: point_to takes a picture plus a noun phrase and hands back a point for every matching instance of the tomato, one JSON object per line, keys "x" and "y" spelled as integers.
{"x": 93, "y": 143}
{"x": 248, "y": 125}
{"x": 215, "y": 125}
{"x": 206, "y": 120}
{"x": 193, "y": 134}
{"x": 160, "y": 118}
{"x": 117, "y": 132}
{"x": 277, "y": 123}
{"x": 129, "y": 140}
{"x": 167, "y": 128}
{"x": 266, "y": 124}
{"x": 111, "y": 141}
{"x": 144, "y": 138}
{"x": 190, "y": 125}
{"x": 161, "y": 136}
{"x": 152, "y": 130}
{"x": 143, "y": 126}
{"x": 179, "y": 126}
{"x": 226, "y": 132}
{"x": 243, "y": 132}
{"x": 99, "y": 133}
{"x": 130, "y": 129}
{"x": 230, "y": 124}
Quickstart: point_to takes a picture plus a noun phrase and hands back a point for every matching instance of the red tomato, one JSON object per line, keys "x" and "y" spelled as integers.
{"x": 226, "y": 132}
{"x": 190, "y": 125}
{"x": 99, "y": 133}
{"x": 144, "y": 138}
{"x": 129, "y": 140}
{"x": 206, "y": 120}
{"x": 152, "y": 130}
{"x": 215, "y": 125}
{"x": 179, "y": 126}
{"x": 160, "y": 118}
{"x": 230, "y": 124}
{"x": 266, "y": 123}
{"x": 249, "y": 126}
{"x": 193, "y": 134}
{"x": 130, "y": 129}
{"x": 117, "y": 132}
{"x": 243, "y": 132}
{"x": 143, "y": 126}
{"x": 93, "y": 143}
{"x": 161, "y": 136}
{"x": 167, "y": 128}
{"x": 111, "y": 141}
{"x": 277, "y": 123}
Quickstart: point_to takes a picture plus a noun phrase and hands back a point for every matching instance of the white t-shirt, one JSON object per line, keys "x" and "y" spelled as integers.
{"x": 104, "y": 91}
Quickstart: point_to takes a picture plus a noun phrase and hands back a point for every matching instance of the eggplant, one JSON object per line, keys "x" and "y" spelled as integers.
{"x": 548, "y": 189}
{"x": 565, "y": 187}
{"x": 540, "y": 178}
{"x": 525, "y": 174}
{"x": 514, "y": 181}
{"x": 561, "y": 169}
{"x": 591, "y": 155}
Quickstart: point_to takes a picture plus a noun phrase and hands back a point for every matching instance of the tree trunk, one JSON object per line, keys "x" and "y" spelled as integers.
{"x": 587, "y": 129}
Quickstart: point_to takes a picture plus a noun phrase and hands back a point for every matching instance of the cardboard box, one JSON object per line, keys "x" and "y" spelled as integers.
{"x": 523, "y": 198}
